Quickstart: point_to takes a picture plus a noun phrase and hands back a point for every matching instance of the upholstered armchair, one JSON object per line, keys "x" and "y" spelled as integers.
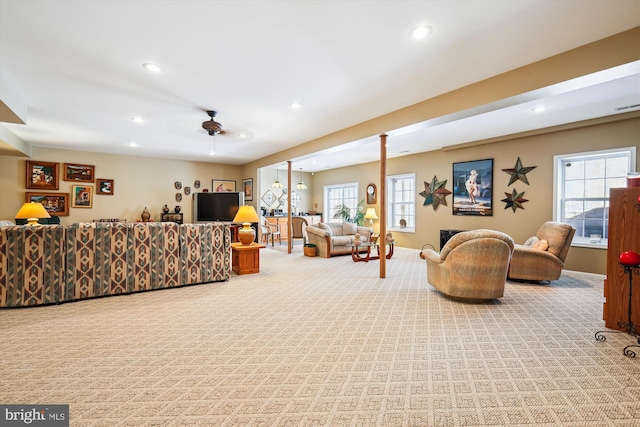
{"x": 542, "y": 256}
{"x": 471, "y": 266}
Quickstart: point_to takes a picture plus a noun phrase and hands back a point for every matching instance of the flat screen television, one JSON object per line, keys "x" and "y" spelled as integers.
{"x": 217, "y": 207}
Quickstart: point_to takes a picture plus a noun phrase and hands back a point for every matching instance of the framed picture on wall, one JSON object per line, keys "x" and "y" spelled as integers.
{"x": 104, "y": 187}
{"x": 79, "y": 173}
{"x": 247, "y": 187}
{"x": 41, "y": 175}
{"x": 473, "y": 188}
{"x": 56, "y": 204}
{"x": 223, "y": 185}
{"x": 81, "y": 196}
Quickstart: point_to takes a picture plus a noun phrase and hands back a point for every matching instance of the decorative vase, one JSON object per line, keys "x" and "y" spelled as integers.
{"x": 177, "y": 209}
{"x": 165, "y": 209}
{"x": 145, "y": 215}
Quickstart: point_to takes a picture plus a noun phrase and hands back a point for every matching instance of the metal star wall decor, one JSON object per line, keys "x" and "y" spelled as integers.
{"x": 518, "y": 172}
{"x": 435, "y": 194}
{"x": 514, "y": 200}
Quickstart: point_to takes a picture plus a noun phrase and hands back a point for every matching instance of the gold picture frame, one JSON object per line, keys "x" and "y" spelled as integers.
{"x": 81, "y": 196}
{"x": 223, "y": 185}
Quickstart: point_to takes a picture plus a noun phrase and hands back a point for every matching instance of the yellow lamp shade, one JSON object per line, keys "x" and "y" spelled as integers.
{"x": 32, "y": 211}
{"x": 246, "y": 215}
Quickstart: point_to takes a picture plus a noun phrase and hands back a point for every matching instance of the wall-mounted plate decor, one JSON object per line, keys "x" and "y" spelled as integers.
{"x": 187, "y": 190}
{"x": 178, "y": 185}
{"x": 178, "y": 197}
{"x": 196, "y": 184}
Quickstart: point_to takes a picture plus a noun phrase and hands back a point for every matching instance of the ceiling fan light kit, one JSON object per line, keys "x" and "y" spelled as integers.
{"x": 211, "y": 126}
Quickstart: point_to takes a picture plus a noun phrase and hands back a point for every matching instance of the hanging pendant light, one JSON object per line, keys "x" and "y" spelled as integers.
{"x": 301, "y": 185}
{"x": 277, "y": 183}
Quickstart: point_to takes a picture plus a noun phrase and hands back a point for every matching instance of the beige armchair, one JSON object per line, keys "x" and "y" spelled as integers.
{"x": 542, "y": 256}
{"x": 471, "y": 266}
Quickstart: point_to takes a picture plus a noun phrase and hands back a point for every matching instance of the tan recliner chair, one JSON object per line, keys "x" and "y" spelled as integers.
{"x": 542, "y": 256}
{"x": 472, "y": 265}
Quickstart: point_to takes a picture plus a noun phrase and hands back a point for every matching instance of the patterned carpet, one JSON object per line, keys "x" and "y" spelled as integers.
{"x": 325, "y": 342}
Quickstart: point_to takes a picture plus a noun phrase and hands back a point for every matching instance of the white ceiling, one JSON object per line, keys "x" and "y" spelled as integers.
{"x": 78, "y": 68}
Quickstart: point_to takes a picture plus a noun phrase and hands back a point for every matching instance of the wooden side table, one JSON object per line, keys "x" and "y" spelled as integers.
{"x": 245, "y": 259}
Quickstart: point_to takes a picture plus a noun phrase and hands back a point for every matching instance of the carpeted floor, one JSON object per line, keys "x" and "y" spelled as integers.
{"x": 325, "y": 342}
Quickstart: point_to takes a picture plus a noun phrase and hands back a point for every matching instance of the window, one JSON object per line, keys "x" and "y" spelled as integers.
{"x": 338, "y": 196}
{"x": 401, "y": 204}
{"x": 582, "y": 183}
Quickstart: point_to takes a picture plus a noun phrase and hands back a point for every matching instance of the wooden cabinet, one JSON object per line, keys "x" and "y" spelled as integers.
{"x": 624, "y": 235}
{"x": 245, "y": 259}
{"x": 172, "y": 217}
{"x": 283, "y": 221}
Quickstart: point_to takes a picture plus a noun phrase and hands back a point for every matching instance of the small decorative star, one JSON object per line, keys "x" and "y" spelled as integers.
{"x": 518, "y": 172}
{"x": 514, "y": 200}
{"x": 435, "y": 194}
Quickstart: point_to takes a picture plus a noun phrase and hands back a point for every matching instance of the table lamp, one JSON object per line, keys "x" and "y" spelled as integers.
{"x": 32, "y": 211}
{"x": 371, "y": 215}
{"x": 246, "y": 215}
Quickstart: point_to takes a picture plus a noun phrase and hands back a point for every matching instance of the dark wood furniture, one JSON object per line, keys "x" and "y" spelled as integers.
{"x": 172, "y": 217}
{"x": 245, "y": 259}
{"x": 357, "y": 257}
{"x": 624, "y": 235}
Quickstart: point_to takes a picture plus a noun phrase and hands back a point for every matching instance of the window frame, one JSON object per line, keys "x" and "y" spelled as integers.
{"x": 559, "y": 186}
{"x": 390, "y": 190}
{"x": 327, "y": 211}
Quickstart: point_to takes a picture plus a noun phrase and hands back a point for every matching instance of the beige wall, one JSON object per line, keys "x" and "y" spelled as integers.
{"x": 537, "y": 150}
{"x": 139, "y": 182}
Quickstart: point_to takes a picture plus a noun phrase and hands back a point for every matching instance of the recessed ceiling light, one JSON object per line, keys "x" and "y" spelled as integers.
{"x": 295, "y": 105}
{"x": 421, "y": 31}
{"x": 539, "y": 109}
{"x": 212, "y": 153}
{"x": 152, "y": 67}
{"x": 133, "y": 144}
{"x": 137, "y": 119}
{"x": 243, "y": 135}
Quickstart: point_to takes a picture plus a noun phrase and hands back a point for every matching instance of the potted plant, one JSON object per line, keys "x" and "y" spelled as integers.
{"x": 344, "y": 212}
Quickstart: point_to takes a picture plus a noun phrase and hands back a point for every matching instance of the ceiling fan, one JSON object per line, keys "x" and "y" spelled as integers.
{"x": 211, "y": 126}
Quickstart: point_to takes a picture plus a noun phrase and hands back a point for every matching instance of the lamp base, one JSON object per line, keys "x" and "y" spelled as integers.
{"x": 246, "y": 234}
{"x": 32, "y": 221}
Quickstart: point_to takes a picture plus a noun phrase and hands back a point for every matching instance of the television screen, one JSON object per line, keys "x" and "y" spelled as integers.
{"x": 221, "y": 206}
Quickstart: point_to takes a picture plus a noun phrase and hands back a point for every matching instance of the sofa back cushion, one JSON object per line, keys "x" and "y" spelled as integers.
{"x": 349, "y": 228}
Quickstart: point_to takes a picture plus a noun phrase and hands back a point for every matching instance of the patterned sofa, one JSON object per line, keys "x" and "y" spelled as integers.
{"x": 54, "y": 263}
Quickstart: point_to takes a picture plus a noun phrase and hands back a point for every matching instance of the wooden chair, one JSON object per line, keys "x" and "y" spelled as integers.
{"x": 299, "y": 229}
{"x": 269, "y": 229}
